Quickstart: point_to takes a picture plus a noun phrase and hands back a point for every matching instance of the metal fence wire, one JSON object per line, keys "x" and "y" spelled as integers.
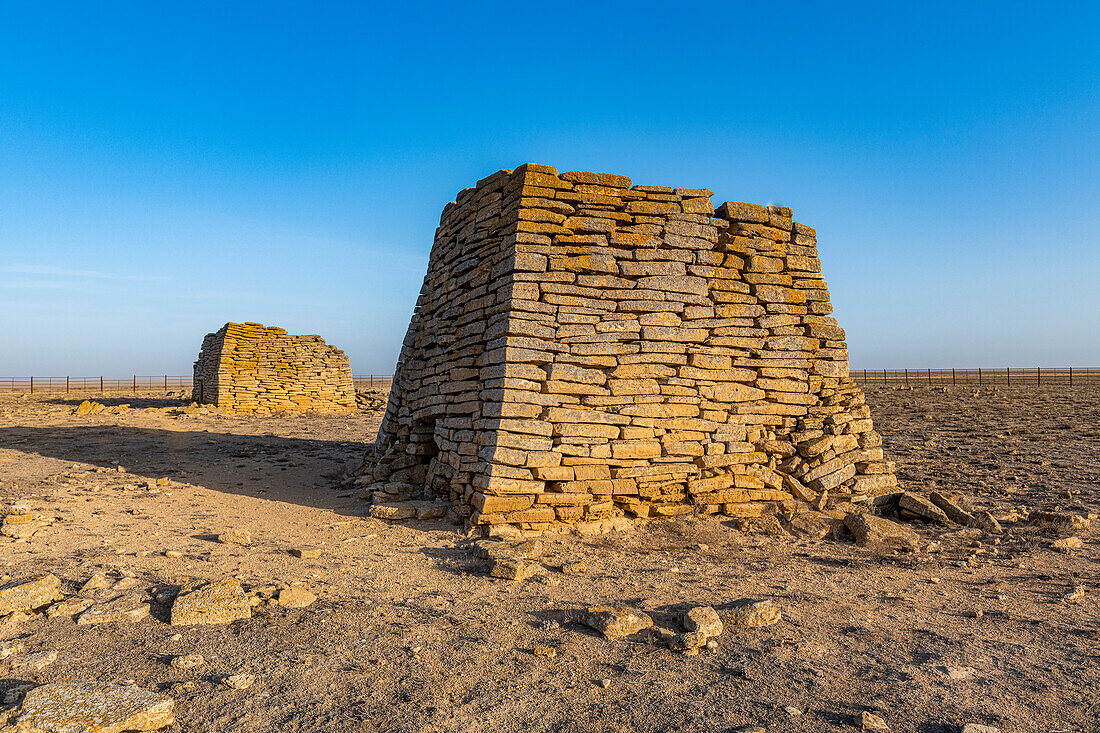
{"x": 980, "y": 377}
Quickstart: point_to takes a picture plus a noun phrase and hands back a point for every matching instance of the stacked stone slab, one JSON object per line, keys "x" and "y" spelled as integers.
{"x": 584, "y": 348}
{"x": 249, "y": 367}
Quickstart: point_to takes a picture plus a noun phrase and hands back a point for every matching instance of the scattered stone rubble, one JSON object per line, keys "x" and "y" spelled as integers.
{"x": 250, "y": 367}
{"x": 20, "y": 523}
{"x": 584, "y": 349}
{"x": 701, "y": 624}
{"x": 101, "y": 601}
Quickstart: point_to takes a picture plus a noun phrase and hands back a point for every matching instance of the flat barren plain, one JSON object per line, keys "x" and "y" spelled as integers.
{"x": 406, "y": 634}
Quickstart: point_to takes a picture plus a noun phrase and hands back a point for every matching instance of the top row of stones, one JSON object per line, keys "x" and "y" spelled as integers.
{"x": 610, "y": 180}
{"x": 730, "y": 210}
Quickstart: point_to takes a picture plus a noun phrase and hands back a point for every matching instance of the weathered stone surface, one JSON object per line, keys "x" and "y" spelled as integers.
{"x": 703, "y": 619}
{"x": 89, "y": 407}
{"x": 218, "y": 602}
{"x": 870, "y": 721}
{"x": 952, "y": 509}
{"x": 688, "y": 641}
{"x": 814, "y": 525}
{"x": 92, "y": 707}
{"x": 1068, "y": 543}
{"x": 1063, "y": 522}
{"x": 394, "y": 511}
{"x": 880, "y": 532}
{"x": 295, "y": 597}
{"x": 911, "y": 505}
{"x": 566, "y": 323}
{"x": 985, "y": 521}
{"x": 509, "y": 560}
{"x": 249, "y": 367}
{"x": 27, "y": 595}
{"x": 749, "y": 613}
{"x": 616, "y": 622}
{"x": 123, "y": 609}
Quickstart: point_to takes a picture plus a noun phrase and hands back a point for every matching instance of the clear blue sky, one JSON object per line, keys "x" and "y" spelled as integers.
{"x": 168, "y": 167}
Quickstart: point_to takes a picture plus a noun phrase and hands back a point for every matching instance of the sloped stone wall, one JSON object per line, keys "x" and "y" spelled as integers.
{"x": 585, "y": 348}
{"x": 249, "y": 367}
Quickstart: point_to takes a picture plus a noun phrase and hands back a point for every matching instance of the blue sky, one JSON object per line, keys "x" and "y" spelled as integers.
{"x": 165, "y": 168}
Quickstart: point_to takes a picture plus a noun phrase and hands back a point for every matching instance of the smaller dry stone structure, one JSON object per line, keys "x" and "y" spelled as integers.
{"x": 584, "y": 349}
{"x": 249, "y": 367}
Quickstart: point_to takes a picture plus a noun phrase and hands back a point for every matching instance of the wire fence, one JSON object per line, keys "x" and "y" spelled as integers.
{"x": 161, "y": 384}
{"x": 980, "y": 377}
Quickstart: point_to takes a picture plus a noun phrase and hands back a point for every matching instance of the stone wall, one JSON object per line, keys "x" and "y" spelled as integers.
{"x": 250, "y": 367}
{"x": 584, "y": 348}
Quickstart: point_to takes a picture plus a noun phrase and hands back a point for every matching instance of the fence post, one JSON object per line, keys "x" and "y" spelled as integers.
{"x": 929, "y": 376}
{"x": 101, "y": 384}
{"x": 32, "y": 385}
{"x": 906, "y": 377}
{"x": 165, "y": 383}
{"x": 1008, "y": 376}
{"x": 135, "y": 384}
{"x": 883, "y": 377}
{"x": 1071, "y": 376}
{"x": 952, "y": 376}
{"x": 1038, "y": 376}
{"x": 66, "y": 385}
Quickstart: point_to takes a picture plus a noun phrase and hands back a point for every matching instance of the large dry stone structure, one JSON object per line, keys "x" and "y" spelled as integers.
{"x": 584, "y": 348}
{"x": 249, "y": 367}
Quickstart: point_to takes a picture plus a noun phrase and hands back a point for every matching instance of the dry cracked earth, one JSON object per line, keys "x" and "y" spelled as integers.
{"x": 407, "y": 635}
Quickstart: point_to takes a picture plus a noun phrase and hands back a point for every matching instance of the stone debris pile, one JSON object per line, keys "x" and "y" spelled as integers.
{"x": 250, "y": 367}
{"x": 103, "y": 600}
{"x": 700, "y": 624}
{"x": 584, "y": 349}
{"x": 20, "y": 523}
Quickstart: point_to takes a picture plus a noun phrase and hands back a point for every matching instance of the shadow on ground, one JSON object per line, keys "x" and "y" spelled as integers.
{"x": 292, "y": 470}
{"x": 132, "y": 401}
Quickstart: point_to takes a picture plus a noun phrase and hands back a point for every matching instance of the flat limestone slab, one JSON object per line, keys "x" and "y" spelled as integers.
{"x": 92, "y": 707}
{"x": 218, "y": 602}
{"x": 26, "y": 595}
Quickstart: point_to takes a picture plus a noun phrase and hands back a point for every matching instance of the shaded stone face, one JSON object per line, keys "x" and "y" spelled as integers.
{"x": 249, "y": 367}
{"x": 583, "y": 349}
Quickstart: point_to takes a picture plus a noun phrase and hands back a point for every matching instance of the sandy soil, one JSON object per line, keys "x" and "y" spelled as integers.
{"x": 406, "y": 635}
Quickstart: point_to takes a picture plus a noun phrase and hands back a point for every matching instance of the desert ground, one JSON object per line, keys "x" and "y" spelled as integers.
{"x": 407, "y": 634}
